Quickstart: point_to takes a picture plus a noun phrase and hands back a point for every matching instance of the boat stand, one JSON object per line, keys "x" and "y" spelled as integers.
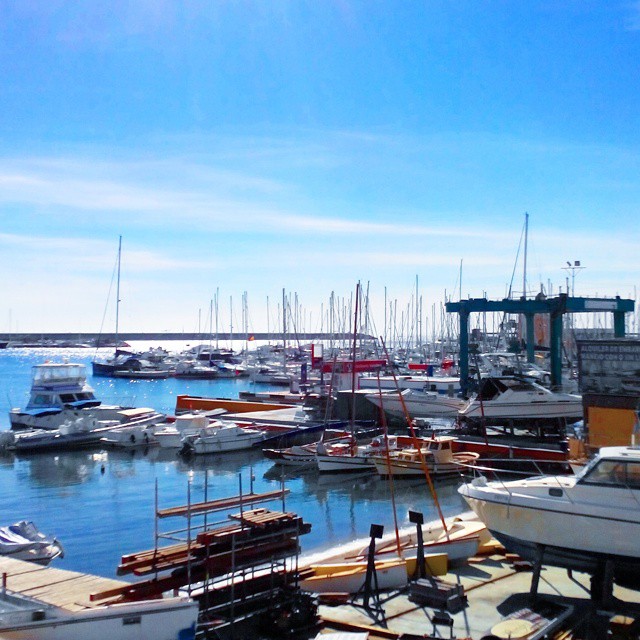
{"x": 420, "y": 571}
{"x": 369, "y": 591}
{"x": 535, "y": 579}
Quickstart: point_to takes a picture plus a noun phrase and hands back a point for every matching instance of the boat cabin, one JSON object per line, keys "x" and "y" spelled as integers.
{"x": 491, "y": 388}
{"x": 60, "y": 386}
{"x": 621, "y": 470}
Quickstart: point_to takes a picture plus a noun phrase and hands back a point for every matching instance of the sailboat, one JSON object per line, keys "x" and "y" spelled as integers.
{"x": 347, "y": 456}
{"x": 126, "y": 364}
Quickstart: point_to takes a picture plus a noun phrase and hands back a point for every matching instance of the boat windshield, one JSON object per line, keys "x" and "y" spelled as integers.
{"x": 493, "y": 387}
{"x": 613, "y": 473}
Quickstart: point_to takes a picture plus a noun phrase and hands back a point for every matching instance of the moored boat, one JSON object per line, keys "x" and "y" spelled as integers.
{"x": 60, "y": 394}
{"x": 23, "y": 541}
{"x": 221, "y": 436}
{"x": 434, "y": 456}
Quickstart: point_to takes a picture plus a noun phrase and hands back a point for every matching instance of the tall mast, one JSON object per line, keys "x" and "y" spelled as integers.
{"x": 118, "y": 291}
{"x": 353, "y": 359}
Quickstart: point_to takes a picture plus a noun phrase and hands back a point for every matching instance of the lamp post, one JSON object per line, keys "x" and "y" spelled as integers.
{"x": 573, "y": 267}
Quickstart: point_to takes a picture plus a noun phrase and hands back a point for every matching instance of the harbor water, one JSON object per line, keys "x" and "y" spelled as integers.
{"x": 100, "y": 502}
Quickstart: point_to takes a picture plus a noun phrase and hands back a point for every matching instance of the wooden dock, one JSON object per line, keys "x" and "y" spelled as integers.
{"x": 69, "y": 590}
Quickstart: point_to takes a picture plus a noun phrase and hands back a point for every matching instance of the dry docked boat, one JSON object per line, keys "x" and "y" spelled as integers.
{"x": 443, "y": 385}
{"x": 23, "y": 617}
{"x": 579, "y": 521}
{"x": 23, "y": 541}
{"x": 511, "y": 399}
{"x": 434, "y": 455}
{"x": 463, "y": 537}
{"x": 348, "y": 577}
{"x": 419, "y": 404}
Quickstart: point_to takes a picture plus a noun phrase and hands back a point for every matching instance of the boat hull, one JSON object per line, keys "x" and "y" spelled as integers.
{"x": 574, "y": 538}
{"x": 417, "y": 406}
{"x": 159, "y": 619}
{"x": 349, "y": 577}
{"x": 344, "y": 463}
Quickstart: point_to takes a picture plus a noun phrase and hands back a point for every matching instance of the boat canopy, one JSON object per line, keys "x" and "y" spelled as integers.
{"x": 58, "y": 374}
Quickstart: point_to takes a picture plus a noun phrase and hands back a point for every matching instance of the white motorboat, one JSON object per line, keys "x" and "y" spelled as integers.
{"x": 60, "y": 394}
{"x": 131, "y": 435}
{"x": 165, "y": 619}
{"x": 507, "y": 398}
{"x": 171, "y": 434}
{"x": 23, "y": 541}
{"x": 435, "y": 457}
{"x": 221, "y": 436}
{"x": 80, "y": 432}
{"x": 577, "y": 521}
{"x": 419, "y": 404}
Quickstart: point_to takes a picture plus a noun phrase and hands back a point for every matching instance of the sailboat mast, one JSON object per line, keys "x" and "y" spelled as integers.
{"x": 524, "y": 270}
{"x": 118, "y": 292}
{"x": 353, "y": 359}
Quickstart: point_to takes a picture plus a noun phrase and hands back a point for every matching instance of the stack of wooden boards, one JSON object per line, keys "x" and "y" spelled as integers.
{"x": 235, "y": 560}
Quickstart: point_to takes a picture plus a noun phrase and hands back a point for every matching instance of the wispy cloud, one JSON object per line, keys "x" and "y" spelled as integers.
{"x": 633, "y": 19}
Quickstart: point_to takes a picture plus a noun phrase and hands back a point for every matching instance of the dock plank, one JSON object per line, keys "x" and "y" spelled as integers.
{"x": 70, "y": 590}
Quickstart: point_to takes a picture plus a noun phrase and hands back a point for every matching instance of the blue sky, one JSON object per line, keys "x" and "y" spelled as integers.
{"x": 308, "y": 145}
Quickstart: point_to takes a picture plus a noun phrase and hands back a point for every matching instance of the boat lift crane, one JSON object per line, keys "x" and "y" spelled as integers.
{"x": 556, "y": 307}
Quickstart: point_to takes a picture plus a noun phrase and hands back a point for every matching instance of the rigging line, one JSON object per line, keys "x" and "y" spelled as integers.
{"x": 513, "y": 275}
{"x": 385, "y": 430}
{"x": 106, "y": 305}
{"x": 418, "y": 446}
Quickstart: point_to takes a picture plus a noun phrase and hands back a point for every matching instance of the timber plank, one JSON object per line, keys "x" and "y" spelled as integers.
{"x": 221, "y": 504}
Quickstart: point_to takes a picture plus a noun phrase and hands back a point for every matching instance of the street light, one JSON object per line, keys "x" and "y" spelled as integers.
{"x": 576, "y": 266}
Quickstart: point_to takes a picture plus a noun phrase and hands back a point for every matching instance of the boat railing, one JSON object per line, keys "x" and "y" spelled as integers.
{"x": 504, "y": 475}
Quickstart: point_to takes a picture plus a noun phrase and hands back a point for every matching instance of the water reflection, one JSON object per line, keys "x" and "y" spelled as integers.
{"x": 61, "y": 469}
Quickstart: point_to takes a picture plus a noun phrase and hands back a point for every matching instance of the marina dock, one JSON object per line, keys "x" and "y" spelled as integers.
{"x": 69, "y": 590}
{"x": 496, "y": 595}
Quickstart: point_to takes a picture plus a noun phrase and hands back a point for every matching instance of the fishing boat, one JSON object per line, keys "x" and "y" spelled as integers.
{"x": 577, "y": 521}
{"x": 511, "y": 399}
{"x": 221, "y": 436}
{"x": 60, "y": 394}
{"x": 23, "y": 541}
{"x": 434, "y": 456}
{"x": 23, "y": 617}
{"x": 349, "y": 456}
{"x": 418, "y": 404}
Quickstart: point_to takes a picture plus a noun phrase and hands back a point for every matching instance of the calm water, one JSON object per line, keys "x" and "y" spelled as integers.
{"x": 100, "y": 503}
